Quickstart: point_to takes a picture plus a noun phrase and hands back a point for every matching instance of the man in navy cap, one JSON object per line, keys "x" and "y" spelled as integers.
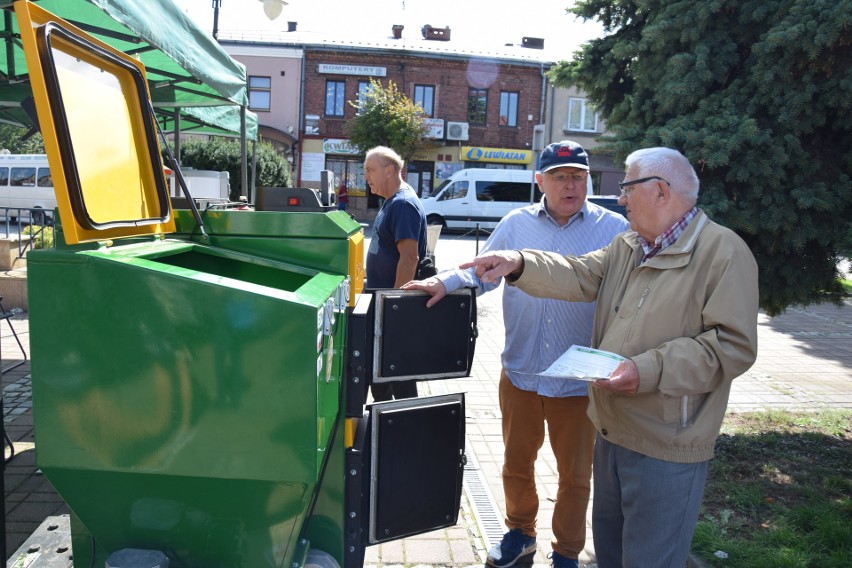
{"x": 538, "y": 331}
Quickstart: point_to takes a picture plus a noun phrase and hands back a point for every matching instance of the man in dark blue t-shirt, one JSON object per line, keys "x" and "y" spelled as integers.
{"x": 398, "y": 241}
{"x": 399, "y": 231}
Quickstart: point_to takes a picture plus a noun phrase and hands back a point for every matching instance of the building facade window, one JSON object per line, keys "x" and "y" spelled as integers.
{"x": 581, "y": 116}
{"x": 260, "y": 92}
{"x": 477, "y": 103}
{"x": 508, "y": 109}
{"x": 335, "y": 94}
{"x": 424, "y": 95}
{"x": 363, "y": 89}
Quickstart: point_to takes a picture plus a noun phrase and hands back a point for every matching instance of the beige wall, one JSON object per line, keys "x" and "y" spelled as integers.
{"x": 284, "y": 66}
{"x": 556, "y": 129}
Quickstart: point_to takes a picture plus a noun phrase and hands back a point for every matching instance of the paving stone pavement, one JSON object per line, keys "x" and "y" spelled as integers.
{"x": 804, "y": 363}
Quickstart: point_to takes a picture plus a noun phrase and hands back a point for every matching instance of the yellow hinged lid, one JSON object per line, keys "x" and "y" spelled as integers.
{"x": 99, "y": 131}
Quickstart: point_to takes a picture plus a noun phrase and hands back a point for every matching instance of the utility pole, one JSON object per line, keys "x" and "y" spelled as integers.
{"x": 216, "y": 5}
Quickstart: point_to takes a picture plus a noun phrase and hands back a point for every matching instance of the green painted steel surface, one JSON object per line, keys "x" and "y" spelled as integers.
{"x": 308, "y": 239}
{"x": 271, "y": 224}
{"x": 185, "y": 397}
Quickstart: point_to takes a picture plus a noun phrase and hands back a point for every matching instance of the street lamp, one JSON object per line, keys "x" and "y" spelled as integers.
{"x": 272, "y": 9}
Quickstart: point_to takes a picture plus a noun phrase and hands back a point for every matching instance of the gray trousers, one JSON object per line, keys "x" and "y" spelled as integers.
{"x": 644, "y": 510}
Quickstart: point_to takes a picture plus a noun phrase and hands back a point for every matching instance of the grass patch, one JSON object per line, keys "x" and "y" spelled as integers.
{"x": 779, "y": 492}
{"x": 847, "y": 285}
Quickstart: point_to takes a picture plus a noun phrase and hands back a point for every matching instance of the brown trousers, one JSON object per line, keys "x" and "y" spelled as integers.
{"x": 572, "y": 437}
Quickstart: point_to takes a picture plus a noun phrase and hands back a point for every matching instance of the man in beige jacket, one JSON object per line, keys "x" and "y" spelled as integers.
{"x": 677, "y": 296}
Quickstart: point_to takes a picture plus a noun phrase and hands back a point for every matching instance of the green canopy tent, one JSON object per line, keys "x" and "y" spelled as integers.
{"x": 191, "y": 78}
{"x": 218, "y": 120}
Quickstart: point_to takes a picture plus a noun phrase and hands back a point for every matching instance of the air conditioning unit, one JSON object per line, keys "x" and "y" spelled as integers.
{"x": 457, "y": 130}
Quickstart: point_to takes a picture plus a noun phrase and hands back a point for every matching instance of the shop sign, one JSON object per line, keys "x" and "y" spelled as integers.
{"x": 339, "y": 146}
{"x": 434, "y": 128}
{"x": 338, "y": 69}
{"x": 312, "y": 123}
{"x": 498, "y": 155}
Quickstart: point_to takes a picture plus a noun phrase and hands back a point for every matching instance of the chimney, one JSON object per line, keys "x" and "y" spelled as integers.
{"x": 533, "y": 42}
{"x": 397, "y": 31}
{"x": 441, "y": 34}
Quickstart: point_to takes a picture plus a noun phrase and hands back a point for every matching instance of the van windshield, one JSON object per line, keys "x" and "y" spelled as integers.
{"x": 444, "y": 184}
{"x": 455, "y": 191}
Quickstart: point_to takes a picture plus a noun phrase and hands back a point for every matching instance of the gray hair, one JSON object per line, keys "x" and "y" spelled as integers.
{"x": 389, "y": 157}
{"x": 669, "y": 164}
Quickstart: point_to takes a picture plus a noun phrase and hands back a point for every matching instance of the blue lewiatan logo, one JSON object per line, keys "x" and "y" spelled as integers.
{"x": 474, "y": 154}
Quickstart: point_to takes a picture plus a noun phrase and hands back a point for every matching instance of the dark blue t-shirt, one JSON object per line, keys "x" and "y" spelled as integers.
{"x": 401, "y": 217}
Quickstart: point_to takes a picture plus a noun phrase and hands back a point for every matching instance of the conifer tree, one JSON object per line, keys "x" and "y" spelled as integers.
{"x": 758, "y": 95}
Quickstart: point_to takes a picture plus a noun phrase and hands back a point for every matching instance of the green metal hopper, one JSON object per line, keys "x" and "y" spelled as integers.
{"x": 199, "y": 384}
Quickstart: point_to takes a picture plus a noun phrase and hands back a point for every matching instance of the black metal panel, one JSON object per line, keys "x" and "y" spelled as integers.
{"x": 357, "y": 492}
{"x": 290, "y": 199}
{"x": 416, "y": 342}
{"x": 358, "y": 355}
{"x": 417, "y": 465}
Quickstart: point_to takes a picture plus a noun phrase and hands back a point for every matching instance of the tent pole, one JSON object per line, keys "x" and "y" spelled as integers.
{"x": 243, "y": 154}
{"x": 177, "y": 135}
{"x": 253, "y": 170}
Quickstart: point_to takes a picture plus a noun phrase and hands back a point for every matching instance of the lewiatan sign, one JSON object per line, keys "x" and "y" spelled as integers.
{"x": 498, "y": 155}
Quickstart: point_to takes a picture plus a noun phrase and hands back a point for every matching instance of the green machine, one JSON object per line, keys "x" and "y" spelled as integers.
{"x": 200, "y": 381}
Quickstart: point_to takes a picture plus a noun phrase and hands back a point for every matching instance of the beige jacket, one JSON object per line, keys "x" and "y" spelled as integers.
{"x": 687, "y": 318}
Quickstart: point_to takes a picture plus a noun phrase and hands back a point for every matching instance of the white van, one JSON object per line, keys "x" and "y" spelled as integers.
{"x": 208, "y": 185}
{"x": 25, "y": 183}
{"x": 482, "y": 196}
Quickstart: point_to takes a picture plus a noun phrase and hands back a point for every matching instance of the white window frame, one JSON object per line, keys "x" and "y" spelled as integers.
{"x": 423, "y": 91}
{"x": 262, "y": 86}
{"x": 585, "y": 109}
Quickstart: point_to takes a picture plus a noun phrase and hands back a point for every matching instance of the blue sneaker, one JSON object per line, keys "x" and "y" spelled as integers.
{"x": 514, "y": 546}
{"x": 560, "y": 561}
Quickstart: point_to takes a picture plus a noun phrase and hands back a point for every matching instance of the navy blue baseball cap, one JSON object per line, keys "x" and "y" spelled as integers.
{"x": 565, "y": 154}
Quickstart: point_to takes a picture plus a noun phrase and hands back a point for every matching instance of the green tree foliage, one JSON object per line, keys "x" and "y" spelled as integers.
{"x": 386, "y": 117}
{"x": 223, "y": 154}
{"x": 11, "y": 138}
{"x": 758, "y": 95}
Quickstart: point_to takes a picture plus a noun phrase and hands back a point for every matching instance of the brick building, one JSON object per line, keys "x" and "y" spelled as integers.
{"x": 482, "y": 111}
{"x": 482, "y": 106}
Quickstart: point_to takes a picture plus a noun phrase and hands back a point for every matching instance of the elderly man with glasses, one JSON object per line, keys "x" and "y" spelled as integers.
{"x": 677, "y": 297}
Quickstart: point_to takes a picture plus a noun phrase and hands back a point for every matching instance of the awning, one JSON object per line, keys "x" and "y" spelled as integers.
{"x": 218, "y": 121}
{"x": 185, "y": 66}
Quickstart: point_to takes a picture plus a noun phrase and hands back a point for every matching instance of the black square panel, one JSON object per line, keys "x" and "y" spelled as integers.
{"x": 417, "y": 465}
{"x": 416, "y": 342}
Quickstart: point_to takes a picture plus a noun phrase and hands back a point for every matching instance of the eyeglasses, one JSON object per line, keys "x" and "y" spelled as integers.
{"x": 624, "y": 184}
{"x": 562, "y": 178}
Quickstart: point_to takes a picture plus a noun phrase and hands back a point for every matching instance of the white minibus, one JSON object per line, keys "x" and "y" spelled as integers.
{"x": 26, "y": 183}
{"x": 480, "y": 196}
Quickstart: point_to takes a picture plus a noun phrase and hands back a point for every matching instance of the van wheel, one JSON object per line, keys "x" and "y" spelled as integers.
{"x": 38, "y": 217}
{"x": 436, "y": 220}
